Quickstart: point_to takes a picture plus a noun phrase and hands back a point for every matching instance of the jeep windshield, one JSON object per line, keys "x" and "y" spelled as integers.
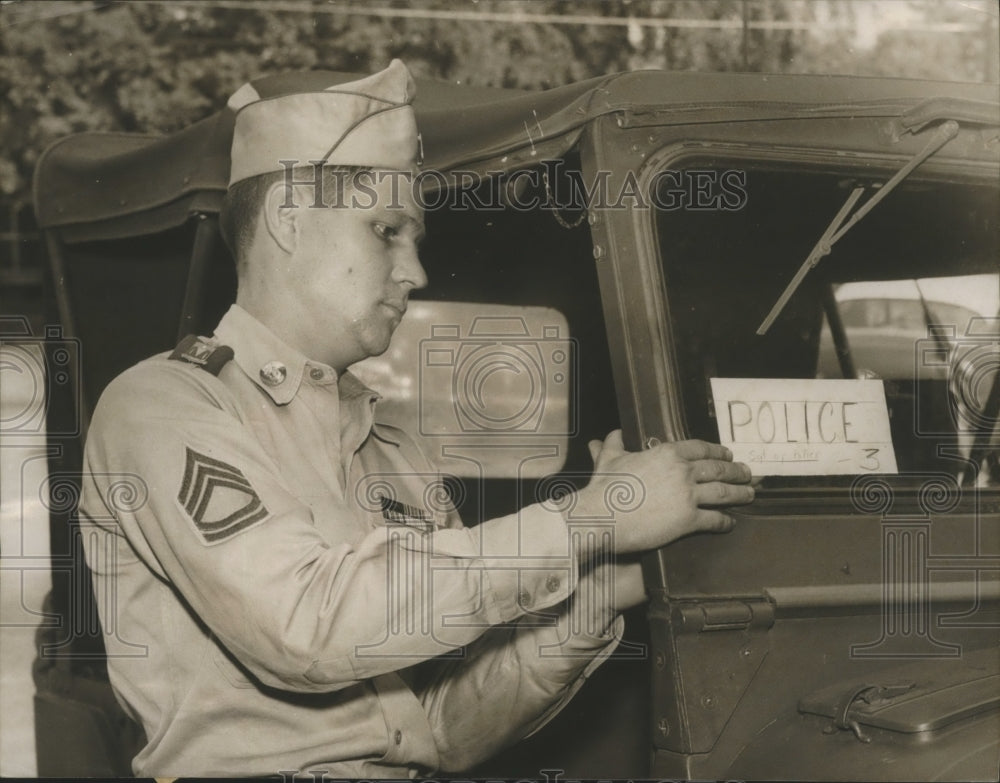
{"x": 909, "y": 299}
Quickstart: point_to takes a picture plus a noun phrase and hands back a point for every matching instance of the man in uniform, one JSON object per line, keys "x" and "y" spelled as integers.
{"x": 284, "y": 588}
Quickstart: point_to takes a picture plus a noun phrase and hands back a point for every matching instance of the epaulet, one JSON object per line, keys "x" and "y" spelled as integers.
{"x": 202, "y": 353}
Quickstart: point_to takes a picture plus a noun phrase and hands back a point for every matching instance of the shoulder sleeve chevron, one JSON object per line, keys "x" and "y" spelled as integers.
{"x": 218, "y": 497}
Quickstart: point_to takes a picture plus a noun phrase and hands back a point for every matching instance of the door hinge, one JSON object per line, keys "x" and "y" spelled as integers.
{"x": 738, "y": 614}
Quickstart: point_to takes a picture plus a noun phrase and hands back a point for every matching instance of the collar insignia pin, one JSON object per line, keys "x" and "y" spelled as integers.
{"x": 273, "y": 373}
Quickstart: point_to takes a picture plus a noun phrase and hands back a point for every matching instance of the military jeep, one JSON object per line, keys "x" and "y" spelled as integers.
{"x": 679, "y": 255}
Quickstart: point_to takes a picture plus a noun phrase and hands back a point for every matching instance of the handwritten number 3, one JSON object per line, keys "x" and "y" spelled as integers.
{"x": 870, "y": 461}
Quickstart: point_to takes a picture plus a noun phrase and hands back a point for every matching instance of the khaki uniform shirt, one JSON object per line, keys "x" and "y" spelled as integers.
{"x": 284, "y": 586}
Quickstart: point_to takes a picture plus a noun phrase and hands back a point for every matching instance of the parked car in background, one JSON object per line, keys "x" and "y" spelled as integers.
{"x": 884, "y": 320}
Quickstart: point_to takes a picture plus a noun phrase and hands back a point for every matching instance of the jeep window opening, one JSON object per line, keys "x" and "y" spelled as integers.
{"x": 945, "y": 243}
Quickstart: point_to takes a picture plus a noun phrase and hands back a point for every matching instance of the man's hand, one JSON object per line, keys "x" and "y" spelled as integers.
{"x": 679, "y": 486}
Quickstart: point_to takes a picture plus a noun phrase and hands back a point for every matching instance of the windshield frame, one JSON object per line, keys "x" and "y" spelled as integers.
{"x": 865, "y": 166}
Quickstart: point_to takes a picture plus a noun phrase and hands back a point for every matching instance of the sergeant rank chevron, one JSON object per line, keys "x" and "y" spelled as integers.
{"x": 218, "y": 497}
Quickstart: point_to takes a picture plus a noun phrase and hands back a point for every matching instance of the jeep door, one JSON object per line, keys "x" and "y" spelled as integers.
{"x": 847, "y": 628}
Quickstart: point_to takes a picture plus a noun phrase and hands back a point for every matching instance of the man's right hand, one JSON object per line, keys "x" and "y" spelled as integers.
{"x": 680, "y": 486}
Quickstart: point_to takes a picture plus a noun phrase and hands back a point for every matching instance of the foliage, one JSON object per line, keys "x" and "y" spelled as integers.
{"x": 157, "y": 67}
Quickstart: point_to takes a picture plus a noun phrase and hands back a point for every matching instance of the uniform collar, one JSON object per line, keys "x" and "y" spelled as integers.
{"x": 276, "y": 367}
{"x": 259, "y": 353}
{"x": 360, "y": 400}
{"x": 262, "y": 355}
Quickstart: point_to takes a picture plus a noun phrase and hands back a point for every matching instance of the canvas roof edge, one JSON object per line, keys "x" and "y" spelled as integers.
{"x": 85, "y": 185}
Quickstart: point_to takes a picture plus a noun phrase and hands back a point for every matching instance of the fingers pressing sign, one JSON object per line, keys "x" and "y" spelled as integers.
{"x": 683, "y": 483}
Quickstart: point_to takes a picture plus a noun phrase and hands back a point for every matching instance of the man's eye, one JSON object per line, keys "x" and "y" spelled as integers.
{"x": 384, "y": 232}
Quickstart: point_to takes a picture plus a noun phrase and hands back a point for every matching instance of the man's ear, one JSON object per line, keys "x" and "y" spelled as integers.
{"x": 281, "y": 213}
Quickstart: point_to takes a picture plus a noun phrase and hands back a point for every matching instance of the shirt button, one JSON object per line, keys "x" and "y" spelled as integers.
{"x": 316, "y": 374}
{"x": 552, "y": 583}
{"x": 398, "y": 737}
{"x": 524, "y": 599}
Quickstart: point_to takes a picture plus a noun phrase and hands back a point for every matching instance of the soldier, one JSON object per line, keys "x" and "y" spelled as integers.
{"x": 275, "y": 608}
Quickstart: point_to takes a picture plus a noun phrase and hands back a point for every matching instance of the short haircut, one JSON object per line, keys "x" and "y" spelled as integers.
{"x": 242, "y": 204}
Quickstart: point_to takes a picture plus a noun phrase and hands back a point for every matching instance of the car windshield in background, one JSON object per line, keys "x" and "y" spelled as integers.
{"x": 909, "y": 298}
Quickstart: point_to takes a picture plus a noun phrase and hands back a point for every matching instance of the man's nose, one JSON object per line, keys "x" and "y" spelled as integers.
{"x": 409, "y": 270}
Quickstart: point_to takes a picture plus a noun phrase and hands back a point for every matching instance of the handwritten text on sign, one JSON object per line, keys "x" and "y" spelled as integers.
{"x": 799, "y": 427}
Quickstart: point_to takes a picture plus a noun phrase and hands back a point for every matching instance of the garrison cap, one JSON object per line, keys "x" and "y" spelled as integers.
{"x": 368, "y": 122}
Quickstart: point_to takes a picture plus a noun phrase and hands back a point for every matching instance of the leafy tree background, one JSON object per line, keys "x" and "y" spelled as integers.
{"x": 158, "y": 66}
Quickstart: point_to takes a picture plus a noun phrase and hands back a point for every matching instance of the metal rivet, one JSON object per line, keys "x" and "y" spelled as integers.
{"x": 598, "y": 252}
{"x": 708, "y": 702}
{"x": 664, "y": 726}
{"x": 661, "y": 660}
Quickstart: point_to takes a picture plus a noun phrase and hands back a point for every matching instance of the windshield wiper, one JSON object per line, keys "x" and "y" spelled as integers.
{"x": 945, "y": 133}
{"x": 941, "y": 343}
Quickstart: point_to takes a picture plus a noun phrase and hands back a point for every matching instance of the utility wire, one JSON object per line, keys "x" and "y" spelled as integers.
{"x": 735, "y": 23}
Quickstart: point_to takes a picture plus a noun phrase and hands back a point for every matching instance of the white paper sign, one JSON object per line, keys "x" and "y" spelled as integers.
{"x": 804, "y": 427}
